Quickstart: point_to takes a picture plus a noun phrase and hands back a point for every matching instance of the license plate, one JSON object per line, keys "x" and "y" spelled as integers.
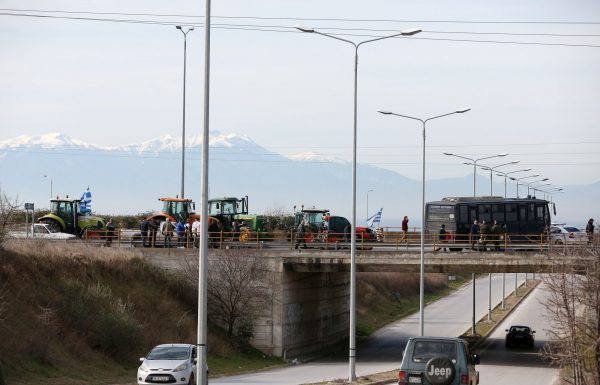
{"x": 160, "y": 378}
{"x": 414, "y": 379}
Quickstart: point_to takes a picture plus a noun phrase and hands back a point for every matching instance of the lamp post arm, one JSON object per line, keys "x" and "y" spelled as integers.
{"x": 440, "y": 116}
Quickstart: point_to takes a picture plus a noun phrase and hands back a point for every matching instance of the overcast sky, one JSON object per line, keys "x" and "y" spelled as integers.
{"x": 113, "y": 83}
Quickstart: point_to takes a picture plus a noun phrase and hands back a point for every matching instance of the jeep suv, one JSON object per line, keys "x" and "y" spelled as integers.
{"x": 438, "y": 361}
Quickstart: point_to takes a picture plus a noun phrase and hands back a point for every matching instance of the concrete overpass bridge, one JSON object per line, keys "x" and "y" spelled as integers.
{"x": 309, "y": 290}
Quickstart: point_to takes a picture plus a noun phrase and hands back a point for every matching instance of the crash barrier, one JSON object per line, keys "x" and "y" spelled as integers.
{"x": 397, "y": 241}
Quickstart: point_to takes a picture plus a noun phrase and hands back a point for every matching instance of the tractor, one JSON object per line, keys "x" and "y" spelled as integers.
{"x": 229, "y": 209}
{"x": 175, "y": 209}
{"x": 322, "y": 227}
{"x": 65, "y": 217}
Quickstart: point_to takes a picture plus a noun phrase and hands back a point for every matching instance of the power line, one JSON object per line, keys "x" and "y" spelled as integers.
{"x": 312, "y": 19}
{"x": 291, "y": 30}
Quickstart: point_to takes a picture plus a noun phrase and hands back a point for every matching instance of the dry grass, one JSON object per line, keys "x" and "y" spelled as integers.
{"x": 74, "y": 309}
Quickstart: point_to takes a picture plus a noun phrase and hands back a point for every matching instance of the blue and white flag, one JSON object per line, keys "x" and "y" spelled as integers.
{"x": 375, "y": 219}
{"x": 85, "y": 205}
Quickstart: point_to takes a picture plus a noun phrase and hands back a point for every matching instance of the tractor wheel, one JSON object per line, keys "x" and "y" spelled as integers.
{"x": 52, "y": 224}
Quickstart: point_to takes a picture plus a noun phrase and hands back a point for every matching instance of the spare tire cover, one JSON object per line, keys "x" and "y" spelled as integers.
{"x": 440, "y": 371}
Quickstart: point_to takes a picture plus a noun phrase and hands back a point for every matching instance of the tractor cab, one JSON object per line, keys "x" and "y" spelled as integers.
{"x": 227, "y": 209}
{"x": 314, "y": 218}
{"x": 176, "y": 209}
{"x": 67, "y": 211}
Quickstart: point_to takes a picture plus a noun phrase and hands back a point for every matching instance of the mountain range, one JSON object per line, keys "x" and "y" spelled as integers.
{"x": 129, "y": 179}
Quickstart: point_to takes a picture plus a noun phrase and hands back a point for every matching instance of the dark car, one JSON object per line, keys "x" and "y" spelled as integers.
{"x": 519, "y": 335}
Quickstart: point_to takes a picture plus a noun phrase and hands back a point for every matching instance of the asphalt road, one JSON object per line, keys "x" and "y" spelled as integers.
{"x": 449, "y": 316}
{"x": 518, "y": 366}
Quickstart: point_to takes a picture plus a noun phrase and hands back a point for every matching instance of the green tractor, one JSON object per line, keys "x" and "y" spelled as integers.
{"x": 229, "y": 209}
{"x": 65, "y": 217}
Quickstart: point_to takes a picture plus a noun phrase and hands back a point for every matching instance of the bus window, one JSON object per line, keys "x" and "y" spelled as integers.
{"x": 531, "y": 212}
{"x": 485, "y": 213}
{"x": 511, "y": 212}
{"x": 498, "y": 213}
{"x": 523, "y": 212}
{"x": 463, "y": 214}
{"x": 539, "y": 212}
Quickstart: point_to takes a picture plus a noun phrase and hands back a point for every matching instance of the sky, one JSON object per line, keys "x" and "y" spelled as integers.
{"x": 115, "y": 83}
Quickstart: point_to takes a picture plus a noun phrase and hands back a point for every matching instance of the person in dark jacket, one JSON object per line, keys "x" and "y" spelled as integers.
{"x": 144, "y": 227}
{"x": 442, "y": 237}
{"x": 180, "y": 230}
{"x": 589, "y": 229}
{"x": 404, "y": 229}
{"x": 497, "y": 232}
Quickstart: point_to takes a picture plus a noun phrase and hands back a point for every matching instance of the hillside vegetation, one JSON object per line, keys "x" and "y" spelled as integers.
{"x": 73, "y": 314}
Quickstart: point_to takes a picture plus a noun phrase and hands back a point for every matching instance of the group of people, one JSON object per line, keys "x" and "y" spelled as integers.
{"x": 184, "y": 233}
{"x": 483, "y": 233}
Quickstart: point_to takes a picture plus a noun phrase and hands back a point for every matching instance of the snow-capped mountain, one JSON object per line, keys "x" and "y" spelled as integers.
{"x": 130, "y": 178}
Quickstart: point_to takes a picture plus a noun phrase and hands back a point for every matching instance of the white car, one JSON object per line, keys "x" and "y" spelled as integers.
{"x": 168, "y": 364}
{"x": 41, "y": 230}
{"x": 561, "y": 234}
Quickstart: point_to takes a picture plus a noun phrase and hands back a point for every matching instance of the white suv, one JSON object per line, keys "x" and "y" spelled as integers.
{"x": 561, "y": 234}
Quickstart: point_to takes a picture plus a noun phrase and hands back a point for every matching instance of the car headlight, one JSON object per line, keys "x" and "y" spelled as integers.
{"x": 143, "y": 368}
{"x": 181, "y": 367}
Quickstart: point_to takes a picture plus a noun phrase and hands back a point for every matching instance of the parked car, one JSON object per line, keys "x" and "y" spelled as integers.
{"x": 561, "y": 234}
{"x": 43, "y": 231}
{"x": 519, "y": 335}
{"x": 168, "y": 364}
{"x": 438, "y": 361}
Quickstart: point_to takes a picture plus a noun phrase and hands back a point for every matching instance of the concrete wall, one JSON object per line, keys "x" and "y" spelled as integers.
{"x": 308, "y": 312}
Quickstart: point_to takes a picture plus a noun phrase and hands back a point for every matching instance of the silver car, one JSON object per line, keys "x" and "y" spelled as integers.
{"x": 561, "y": 234}
{"x": 168, "y": 364}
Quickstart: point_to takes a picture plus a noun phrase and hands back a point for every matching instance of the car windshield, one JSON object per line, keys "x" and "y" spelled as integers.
{"x": 519, "y": 329}
{"x": 572, "y": 229}
{"x": 425, "y": 350}
{"x": 169, "y": 353}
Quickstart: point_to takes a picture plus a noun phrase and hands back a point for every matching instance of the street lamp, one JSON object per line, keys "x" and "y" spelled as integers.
{"x": 538, "y": 181}
{"x": 492, "y": 170}
{"x": 368, "y": 202}
{"x": 505, "y": 175}
{"x": 190, "y": 29}
{"x": 519, "y": 179}
{"x": 474, "y": 163}
{"x": 202, "y": 330}
{"x": 352, "y": 347}
{"x": 422, "y": 269}
{"x": 46, "y": 176}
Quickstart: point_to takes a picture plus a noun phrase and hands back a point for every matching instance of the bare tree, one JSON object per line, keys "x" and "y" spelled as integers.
{"x": 8, "y": 212}
{"x": 574, "y": 312}
{"x": 237, "y": 288}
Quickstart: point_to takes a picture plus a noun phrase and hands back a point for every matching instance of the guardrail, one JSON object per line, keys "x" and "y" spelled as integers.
{"x": 395, "y": 241}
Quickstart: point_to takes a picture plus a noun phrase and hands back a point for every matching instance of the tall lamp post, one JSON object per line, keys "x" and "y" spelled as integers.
{"x": 184, "y": 32}
{"x": 46, "y": 176}
{"x": 352, "y": 342}
{"x": 202, "y": 331}
{"x": 368, "y": 202}
{"x": 422, "y": 268}
{"x": 537, "y": 181}
{"x": 519, "y": 179}
{"x": 506, "y": 174}
{"x": 474, "y": 163}
{"x": 492, "y": 171}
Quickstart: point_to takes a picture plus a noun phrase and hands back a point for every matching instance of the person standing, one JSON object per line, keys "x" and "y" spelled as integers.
{"x": 442, "y": 237}
{"x": 485, "y": 231}
{"x": 152, "y": 229}
{"x": 167, "y": 232}
{"x": 300, "y": 234}
{"x": 474, "y": 234}
{"x": 496, "y": 233}
{"x": 144, "y": 226}
{"x": 235, "y": 231}
{"x": 180, "y": 230}
{"x": 110, "y": 232}
{"x": 404, "y": 230}
{"x": 196, "y": 232}
{"x": 589, "y": 229}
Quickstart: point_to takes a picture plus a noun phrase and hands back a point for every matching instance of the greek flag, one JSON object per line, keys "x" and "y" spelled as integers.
{"x": 375, "y": 219}
{"x": 85, "y": 204}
